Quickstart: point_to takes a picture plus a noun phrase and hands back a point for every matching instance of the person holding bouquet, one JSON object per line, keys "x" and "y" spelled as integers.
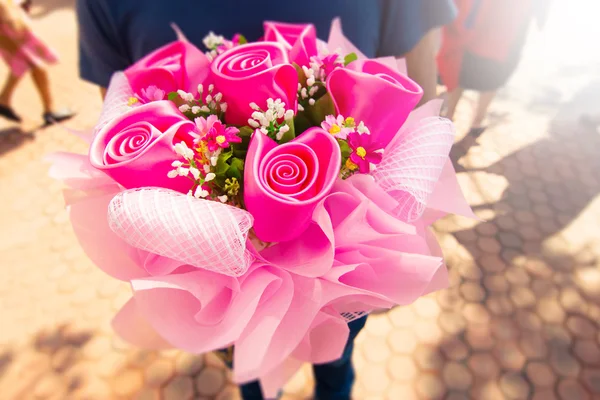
{"x": 23, "y": 50}
{"x": 115, "y": 35}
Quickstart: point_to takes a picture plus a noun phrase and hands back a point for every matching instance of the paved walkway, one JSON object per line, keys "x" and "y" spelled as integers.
{"x": 520, "y": 321}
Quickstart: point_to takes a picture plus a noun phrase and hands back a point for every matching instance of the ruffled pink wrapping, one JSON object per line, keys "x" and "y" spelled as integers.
{"x": 353, "y": 257}
{"x": 417, "y": 171}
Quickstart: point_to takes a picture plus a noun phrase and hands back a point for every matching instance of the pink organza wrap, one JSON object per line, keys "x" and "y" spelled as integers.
{"x": 286, "y": 309}
{"x": 359, "y": 244}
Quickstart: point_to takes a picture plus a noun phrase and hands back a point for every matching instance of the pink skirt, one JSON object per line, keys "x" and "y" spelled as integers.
{"x": 32, "y": 52}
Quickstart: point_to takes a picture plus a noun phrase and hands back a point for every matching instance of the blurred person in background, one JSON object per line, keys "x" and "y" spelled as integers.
{"x": 482, "y": 47}
{"x": 115, "y": 34}
{"x": 417, "y": 24}
{"x": 22, "y": 51}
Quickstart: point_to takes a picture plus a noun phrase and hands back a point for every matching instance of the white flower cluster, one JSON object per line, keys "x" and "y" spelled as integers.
{"x": 306, "y": 93}
{"x": 362, "y": 129}
{"x": 188, "y": 169}
{"x": 212, "y": 42}
{"x": 211, "y": 104}
{"x": 181, "y": 168}
{"x": 267, "y": 121}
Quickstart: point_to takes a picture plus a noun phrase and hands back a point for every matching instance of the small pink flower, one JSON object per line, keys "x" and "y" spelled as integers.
{"x": 237, "y": 38}
{"x": 151, "y": 93}
{"x": 229, "y": 44}
{"x": 329, "y": 62}
{"x": 220, "y": 136}
{"x": 204, "y": 125}
{"x": 364, "y": 151}
{"x": 338, "y": 127}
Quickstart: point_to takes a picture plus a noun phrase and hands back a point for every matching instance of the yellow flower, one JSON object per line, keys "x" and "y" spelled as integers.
{"x": 335, "y": 129}
{"x": 349, "y": 122}
{"x": 132, "y": 101}
{"x": 202, "y": 150}
{"x": 350, "y": 165}
{"x": 361, "y": 152}
{"x": 232, "y": 186}
{"x": 220, "y": 139}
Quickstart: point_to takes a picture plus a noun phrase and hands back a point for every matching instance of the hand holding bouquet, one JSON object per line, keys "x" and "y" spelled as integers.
{"x": 262, "y": 195}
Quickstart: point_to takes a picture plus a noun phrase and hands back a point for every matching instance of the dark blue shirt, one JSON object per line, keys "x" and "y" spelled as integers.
{"x": 113, "y": 34}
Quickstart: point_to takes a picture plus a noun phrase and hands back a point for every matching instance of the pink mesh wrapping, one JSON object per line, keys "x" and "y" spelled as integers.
{"x": 117, "y": 98}
{"x": 411, "y": 168}
{"x": 201, "y": 233}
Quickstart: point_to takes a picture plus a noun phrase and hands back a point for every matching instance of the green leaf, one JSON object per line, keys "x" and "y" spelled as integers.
{"x": 344, "y": 148}
{"x": 289, "y": 135}
{"x": 300, "y": 72}
{"x": 172, "y": 96}
{"x": 301, "y": 123}
{"x": 242, "y": 39}
{"x": 245, "y": 132}
{"x": 349, "y": 58}
{"x": 240, "y": 149}
{"x": 222, "y": 165}
{"x": 322, "y": 108}
{"x": 236, "y": 169}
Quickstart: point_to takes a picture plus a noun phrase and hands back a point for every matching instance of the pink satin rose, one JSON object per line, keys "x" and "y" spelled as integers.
{"x": 299, "y": 39}
{"x": 178, "y": 65}
{"x": 136, "y": 149}
{"x": 283, "y": 184}
{"x": 376, "y": 94}
{"x": 254, "y": 72}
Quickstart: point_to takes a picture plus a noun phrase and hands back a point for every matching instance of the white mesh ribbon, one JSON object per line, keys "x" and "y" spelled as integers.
{"x": 116, "y": 101}
{"x": 202, "y": 233}
{"x": 410, "y": 169}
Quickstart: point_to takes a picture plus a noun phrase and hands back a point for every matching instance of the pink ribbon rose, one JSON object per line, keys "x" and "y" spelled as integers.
{"x": 136, "y": 149}
{"x": 376, "y": 94}
{"x": 178, "y": 65}
{"x": 254, "y": 72}
{"x": 299, "y": 39}
{"x": 283, "y": 184}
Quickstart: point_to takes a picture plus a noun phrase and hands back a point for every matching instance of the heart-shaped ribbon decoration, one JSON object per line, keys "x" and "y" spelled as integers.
{"x": 412, "y": 166}
{"x": 201, "y": 233}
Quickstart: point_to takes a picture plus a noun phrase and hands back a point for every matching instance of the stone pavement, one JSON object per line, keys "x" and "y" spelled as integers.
{"x": 520, "y": 320}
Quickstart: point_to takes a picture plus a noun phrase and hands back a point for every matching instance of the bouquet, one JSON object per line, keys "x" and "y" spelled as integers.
{"x": 262, "y": 195}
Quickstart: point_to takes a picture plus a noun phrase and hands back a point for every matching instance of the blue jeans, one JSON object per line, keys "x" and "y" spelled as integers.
{"x": 333, "y": 380}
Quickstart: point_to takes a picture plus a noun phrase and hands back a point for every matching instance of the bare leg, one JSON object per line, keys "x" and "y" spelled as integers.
{"x": 9, "y": 88}
{"x": 485, "y": 99}
{"x": 453, "y": 99}
{"x": 42, "y": 84}
{"x": 421, "y": 65}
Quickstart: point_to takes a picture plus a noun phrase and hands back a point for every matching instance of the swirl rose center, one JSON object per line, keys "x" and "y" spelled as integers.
{"x": 248, "y": 62}
{"x": 292, "y": 172}
{"x": 129, "y": 143}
